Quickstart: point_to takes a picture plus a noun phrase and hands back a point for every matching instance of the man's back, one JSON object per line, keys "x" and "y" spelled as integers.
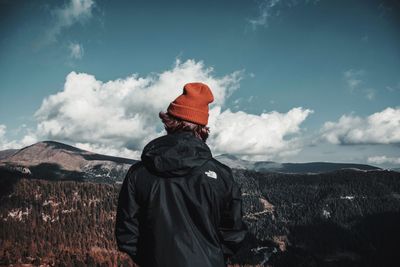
{"x": 179, "y": 206}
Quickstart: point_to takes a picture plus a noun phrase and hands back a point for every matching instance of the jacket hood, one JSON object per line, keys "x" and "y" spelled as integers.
{"x": 175, "y": 154}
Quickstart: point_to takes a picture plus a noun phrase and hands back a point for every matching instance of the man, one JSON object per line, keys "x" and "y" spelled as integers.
{"x": 179, "y": 206}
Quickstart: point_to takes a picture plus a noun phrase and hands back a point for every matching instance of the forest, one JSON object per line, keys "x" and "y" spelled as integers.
{"x": 340, "y": 218}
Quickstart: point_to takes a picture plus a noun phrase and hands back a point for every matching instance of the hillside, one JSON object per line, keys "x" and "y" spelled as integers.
{"x": 302, "y": 168}
{"x": 341, "y": 218}
{"x": 63, "y": 223}
{"x": 59, "y": 161}
{"x": 6, "y": 153}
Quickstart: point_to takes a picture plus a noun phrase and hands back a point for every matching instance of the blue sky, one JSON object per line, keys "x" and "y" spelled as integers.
{"x": 326, "y": 74}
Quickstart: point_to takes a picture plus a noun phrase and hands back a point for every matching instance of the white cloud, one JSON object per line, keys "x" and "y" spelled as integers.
{"x": 119, "y": 117}
{"x": 122, "y": 113}
{"x": 2, "y": 130}
{"x": 379, "y": 128}
{"x": 383, "y": 160}
{"x": 267, "y": 9}
{"x": 272, "y": 8}
{"x": 73, "y": 12}
{"x": 76, "y": 50}
{"x": 28, "y": 139}
{"x": 109, "y": 150}
{"x": 257, "y": 137}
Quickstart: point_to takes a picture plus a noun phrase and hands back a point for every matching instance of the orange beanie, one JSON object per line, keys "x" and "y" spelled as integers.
{"x": 192, "y": 104}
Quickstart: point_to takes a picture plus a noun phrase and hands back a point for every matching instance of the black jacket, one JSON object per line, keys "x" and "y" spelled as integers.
{"x": 179, "y": 206}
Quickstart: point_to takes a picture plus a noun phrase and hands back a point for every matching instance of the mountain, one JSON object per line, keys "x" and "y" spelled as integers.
{"x": 316, "y": 214}
{"x": 6, "y": 153}
{"x": 309, "y": 167}
{"x": 58, "y": 161}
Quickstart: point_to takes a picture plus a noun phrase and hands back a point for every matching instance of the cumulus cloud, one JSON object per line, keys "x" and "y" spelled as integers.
{"x": 383, "y": 160}
{"x": 119, "y": 117}
{"x": 379, "y": 128}
{"x": 28, "y": 139}
{"x": 122, "y": 113}
{"x": 76, "y": 51}
{"x": 73, "y": 12}
{"x": 257, "y": 137}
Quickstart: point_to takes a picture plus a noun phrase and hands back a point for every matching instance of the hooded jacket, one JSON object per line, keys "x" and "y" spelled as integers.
{"x": 179, "y": 206}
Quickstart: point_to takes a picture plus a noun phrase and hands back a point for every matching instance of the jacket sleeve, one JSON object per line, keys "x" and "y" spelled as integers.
{"x": 232, "y": 228}
{"x": 127, "y": 223}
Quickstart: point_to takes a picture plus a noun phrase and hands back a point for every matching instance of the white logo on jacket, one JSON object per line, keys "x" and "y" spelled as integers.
{"x": 211, "y": 174}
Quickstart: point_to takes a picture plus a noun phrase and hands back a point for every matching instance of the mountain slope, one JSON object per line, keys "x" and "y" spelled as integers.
{"x": 342, "y": 218}
{"x": 309, "y": 167}
{"x": 6, "y": 153}
{"x": 58, "y": 161}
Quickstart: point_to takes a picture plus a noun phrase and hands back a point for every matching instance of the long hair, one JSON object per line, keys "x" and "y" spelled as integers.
{"x": 173, "y": 124}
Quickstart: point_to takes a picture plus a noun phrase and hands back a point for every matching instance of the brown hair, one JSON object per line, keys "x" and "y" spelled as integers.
{"x": 173, "y": 124}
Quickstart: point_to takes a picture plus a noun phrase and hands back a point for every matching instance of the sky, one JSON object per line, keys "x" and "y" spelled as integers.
{"x": 294, "y": 81}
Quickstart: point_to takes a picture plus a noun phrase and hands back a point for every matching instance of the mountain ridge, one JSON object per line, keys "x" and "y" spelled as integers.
{"x": 59, "y": 161}
{"x": 291, "y": 167}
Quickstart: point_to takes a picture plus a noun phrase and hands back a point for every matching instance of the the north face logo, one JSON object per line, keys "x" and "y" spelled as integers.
{"x": 211, "y": 174}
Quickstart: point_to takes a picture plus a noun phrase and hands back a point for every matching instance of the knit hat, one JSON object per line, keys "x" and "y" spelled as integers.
{"x": 192, "y": 104}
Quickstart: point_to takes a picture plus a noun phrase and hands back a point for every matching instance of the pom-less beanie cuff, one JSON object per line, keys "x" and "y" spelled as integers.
{"x": 189, "y": 114}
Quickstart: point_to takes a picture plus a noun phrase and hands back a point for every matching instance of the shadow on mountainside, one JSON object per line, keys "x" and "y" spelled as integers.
{"x": 53, "y": 171}
{"x": 8, "y": 179}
